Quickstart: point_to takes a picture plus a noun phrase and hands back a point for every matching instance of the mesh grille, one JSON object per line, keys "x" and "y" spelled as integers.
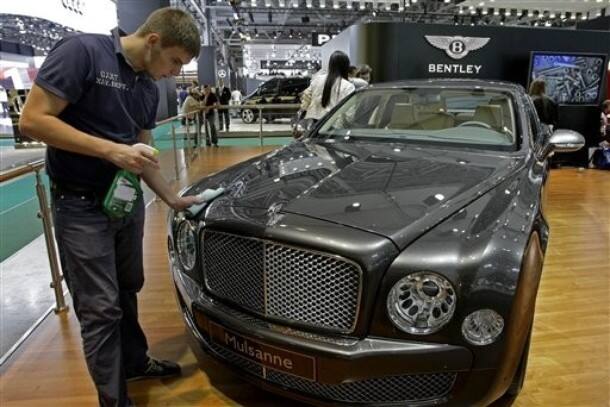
{"x": 316, "y": 289}
{"x": 387, "y": 389}
{"x": 300, "y": 286}
{"x": 233, "y": 269}
{"x": 381, "y": 390}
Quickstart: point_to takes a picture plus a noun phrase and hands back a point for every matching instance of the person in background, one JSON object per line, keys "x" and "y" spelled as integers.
{"x": 365, "y": 72}
{"x": 210, "y": 103}
{"x": 353, "y": 78}
{"x": 182, "y": 95}
{"x": 224, "y": 96}
{"x": 605, "y": 124}
{"x": 196, "y": 89}
{"x": 190, "y": 109}
{"x": 93, "y": 99}
{"x": 325, "y": 91}
{"x": 236, "y": 97}
{"x": 545, "y": 106}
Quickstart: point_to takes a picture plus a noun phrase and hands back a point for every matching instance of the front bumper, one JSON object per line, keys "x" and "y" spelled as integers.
{"x": 317, "y": 368}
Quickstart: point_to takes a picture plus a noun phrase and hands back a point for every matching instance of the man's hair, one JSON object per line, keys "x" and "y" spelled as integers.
{"x": 353, "y": 70}
{"x": 175, "y": 27}
{"x": 537, "y": 88}
{"x": 606, "y": 104}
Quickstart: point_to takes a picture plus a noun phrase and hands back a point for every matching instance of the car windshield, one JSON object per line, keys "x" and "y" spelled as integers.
{"x": 471, "y": 117}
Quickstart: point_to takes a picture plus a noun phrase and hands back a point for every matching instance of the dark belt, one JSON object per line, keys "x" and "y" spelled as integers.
{"x": 62, "y": 188}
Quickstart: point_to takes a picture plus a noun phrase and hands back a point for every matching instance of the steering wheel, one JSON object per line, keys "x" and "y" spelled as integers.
{"x": 475, "y": 123}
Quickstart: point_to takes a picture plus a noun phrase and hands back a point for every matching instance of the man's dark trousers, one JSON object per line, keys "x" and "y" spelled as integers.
{"x": 211, "y": 137}
{"x": 102, "y": 263}
{"x": 223, "y": 118}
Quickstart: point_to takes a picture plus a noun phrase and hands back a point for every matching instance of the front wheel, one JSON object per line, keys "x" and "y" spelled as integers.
{"x": 248, "y": 116}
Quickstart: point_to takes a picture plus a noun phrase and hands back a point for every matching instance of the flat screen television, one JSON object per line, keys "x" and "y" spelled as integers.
{"x": 571, "y": 78}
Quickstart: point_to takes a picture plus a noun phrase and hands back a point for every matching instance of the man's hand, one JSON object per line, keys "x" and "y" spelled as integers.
{"x": 183, "y": 202}
{"x": 132, "y": 159}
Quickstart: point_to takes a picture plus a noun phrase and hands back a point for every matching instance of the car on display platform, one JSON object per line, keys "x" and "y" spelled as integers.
{"x": 275, "y": 91}
{"x": 390, "y": 256}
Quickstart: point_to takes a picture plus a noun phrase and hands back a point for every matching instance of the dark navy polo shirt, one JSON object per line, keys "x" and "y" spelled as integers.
{"x": 106, "y": 98}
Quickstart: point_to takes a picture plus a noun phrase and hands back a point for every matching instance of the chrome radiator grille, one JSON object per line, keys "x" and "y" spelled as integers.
{"x": 282, "y": 282}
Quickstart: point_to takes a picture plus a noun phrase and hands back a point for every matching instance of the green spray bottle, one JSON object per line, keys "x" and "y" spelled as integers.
{"x": 125, "y": 190}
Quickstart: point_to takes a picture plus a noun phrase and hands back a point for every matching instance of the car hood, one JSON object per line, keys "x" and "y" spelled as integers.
{"x": 395, "y": 190}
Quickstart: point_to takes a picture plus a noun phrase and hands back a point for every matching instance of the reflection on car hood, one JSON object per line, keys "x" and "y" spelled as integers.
{"x": 395, "y": 190}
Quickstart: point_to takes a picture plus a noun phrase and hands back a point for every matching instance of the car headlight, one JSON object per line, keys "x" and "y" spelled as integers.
{"x": 482, "y": 327}
{"x": 186, "y": 244}
{"x": 421, "y": 303}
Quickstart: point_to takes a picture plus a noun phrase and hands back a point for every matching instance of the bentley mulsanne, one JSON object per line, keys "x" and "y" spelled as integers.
{"x": 389, "y": 256}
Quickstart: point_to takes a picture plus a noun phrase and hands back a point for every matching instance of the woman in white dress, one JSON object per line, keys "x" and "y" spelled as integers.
{"x": 325, "y": 91}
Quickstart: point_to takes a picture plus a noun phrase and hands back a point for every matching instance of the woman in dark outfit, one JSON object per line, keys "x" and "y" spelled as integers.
{"x": 545, "y": 106}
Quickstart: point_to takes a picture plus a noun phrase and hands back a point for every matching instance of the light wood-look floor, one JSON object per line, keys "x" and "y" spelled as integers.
{"x": 569, "y": 358}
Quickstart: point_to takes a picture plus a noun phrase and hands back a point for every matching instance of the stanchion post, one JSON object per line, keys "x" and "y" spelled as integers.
{"x": 45, "y": 216}
{"x": 187, "y": 147}
{"x": 205, "y": 127}
{"x": 175, "y": 151}
{"x": 260, "y": 132}
{"x": 198, "y": 134}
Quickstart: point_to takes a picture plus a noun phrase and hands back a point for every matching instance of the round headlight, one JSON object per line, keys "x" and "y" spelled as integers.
{"x": 421, "y": 303}
{"x": 482, "y": 327}
{"x": 186, "y": 245}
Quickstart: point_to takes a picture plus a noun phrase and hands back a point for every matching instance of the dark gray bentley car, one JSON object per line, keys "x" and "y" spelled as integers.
{"x": 390, "y": 256}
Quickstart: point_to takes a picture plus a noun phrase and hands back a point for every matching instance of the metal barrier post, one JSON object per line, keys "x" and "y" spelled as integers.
{"x": 208, "y": 136}
{"x": 187, "y": 146}
{"x": 175, "y": 152}
{"x": 198, "y": 133}
{"x": 260, "y": 117}
{"x": 56, "y": 277}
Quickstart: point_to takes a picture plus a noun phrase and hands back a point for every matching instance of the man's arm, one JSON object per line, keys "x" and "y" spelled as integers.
{"x": 39, "y": 120}
{"x": 156, "y": 182}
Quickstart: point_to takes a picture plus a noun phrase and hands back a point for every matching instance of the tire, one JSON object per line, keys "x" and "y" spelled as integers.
{"x": 248, "y": 116}
{"x": 519, "y": 378}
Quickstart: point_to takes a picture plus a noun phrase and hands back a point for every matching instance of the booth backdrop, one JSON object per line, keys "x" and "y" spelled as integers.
{"x": 399, "y": 51}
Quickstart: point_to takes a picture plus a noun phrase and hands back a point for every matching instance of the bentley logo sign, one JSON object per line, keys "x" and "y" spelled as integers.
{"x": 457, "y": 47}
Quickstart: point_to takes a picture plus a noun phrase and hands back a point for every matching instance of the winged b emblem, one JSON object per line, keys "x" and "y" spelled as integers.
{"x": 457, "y": 47}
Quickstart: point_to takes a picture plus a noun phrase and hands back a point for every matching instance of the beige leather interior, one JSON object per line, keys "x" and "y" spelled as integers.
{"x": 490, "y": 114}
{"x": 403, "y": 116}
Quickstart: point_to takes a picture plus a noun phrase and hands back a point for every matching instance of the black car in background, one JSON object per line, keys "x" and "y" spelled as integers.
{"x": 390, "y": 256}
{"x": 274, "y": 91}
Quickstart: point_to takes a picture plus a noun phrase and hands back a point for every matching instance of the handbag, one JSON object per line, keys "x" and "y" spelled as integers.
{"x": 601, "y": 159}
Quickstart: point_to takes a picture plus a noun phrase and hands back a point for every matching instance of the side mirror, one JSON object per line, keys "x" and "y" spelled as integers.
{"x": 562, "y": 141}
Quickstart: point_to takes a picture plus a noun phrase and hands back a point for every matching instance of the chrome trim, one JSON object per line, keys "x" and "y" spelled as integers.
{"x": 193, "y": 228}
{"x": 265, "y": 286}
